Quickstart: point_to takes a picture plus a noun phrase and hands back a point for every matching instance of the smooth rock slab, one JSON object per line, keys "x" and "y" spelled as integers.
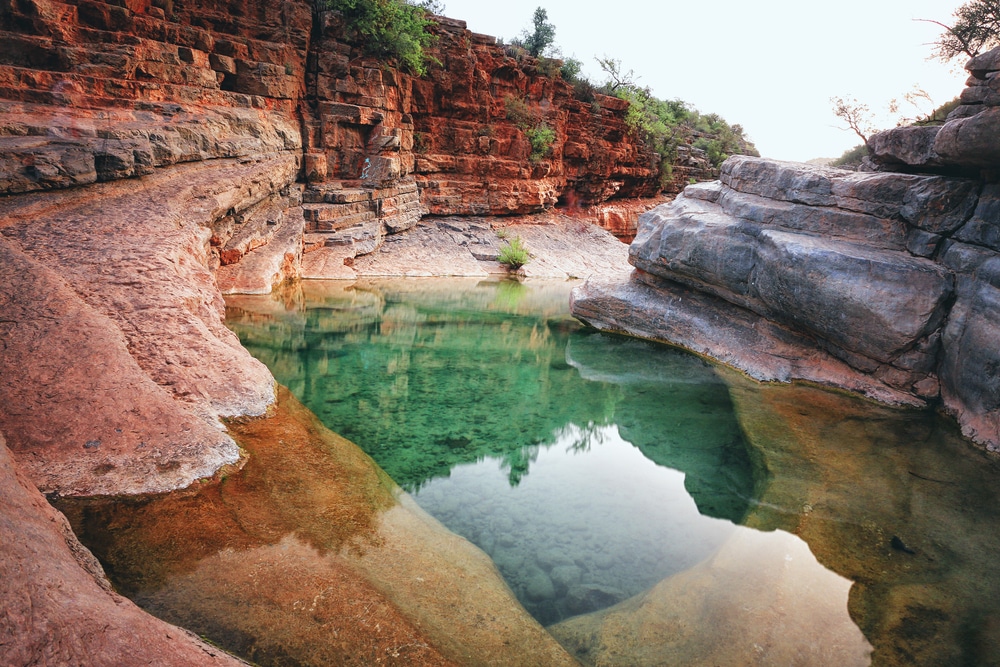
{"x": 866, "y": 301}
{"x": 83, "y": 416}
{"x": 655, "y": 309}
{"x": 132, "y": 263}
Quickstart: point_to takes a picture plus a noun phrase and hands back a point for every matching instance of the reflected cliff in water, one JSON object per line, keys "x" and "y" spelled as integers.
{"x": 428, "y": 374}
{"x": 554, "y": 449}
{"x": 569, "y": 457}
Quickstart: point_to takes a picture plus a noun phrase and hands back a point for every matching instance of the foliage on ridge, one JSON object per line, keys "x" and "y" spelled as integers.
{"x": 390, "y": 29}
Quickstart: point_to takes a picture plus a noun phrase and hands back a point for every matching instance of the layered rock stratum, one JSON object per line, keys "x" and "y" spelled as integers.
{"x": 884, "y": 283}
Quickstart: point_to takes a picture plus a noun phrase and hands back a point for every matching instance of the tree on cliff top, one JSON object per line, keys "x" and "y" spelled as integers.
{"x": 976, "y": 29}
{"x": 856, "y": 115}
{"x": 543, "y": 36}
{"x": 389, "y": 29}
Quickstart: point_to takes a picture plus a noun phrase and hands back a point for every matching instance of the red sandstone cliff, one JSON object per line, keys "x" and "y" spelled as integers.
{"x": 455, "y": 130}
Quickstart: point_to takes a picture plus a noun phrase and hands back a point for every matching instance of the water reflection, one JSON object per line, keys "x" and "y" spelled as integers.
{"x": 425, "y": 375}
{"x": 594, "y": 523}
{"x": 894, "y": 501}
{"x": 562, "y": 453}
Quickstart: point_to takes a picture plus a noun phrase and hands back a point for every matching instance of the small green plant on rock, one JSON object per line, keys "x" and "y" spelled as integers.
{"x": 420, "y": 143}
{"x": 391, "y": 29}
{"x": 541, "y": 138}
{"x": 518, "y": 112}
{"x": 513, "y": 254}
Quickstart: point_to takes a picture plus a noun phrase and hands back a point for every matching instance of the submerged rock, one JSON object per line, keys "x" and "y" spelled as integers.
{"x": 310, "y": 553}
{"x": 57, "y": 602}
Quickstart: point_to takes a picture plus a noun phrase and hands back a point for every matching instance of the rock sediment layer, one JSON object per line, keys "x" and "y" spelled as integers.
{"x": 58, "y": 608}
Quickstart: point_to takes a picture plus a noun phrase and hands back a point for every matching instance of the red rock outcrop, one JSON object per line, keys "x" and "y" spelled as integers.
{"x": 462, "y": 131}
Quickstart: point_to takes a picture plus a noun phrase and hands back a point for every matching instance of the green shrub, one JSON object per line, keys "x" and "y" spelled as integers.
{"x": 515, "y": 51}
{"x": 420, "y": 143}
{"x": 665, "y": 124}
{"x": 390, "y": 29}
{"x": 513, "y": 254}
{"x": 550, "y": 67}
{"x": 519, "y": 113}
{"x": 571, "y": 69}
{"x": 851, "y": 158}
{"x": 541, "y": 138}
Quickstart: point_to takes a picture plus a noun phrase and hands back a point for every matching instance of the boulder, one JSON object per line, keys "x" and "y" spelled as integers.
{"x": 913, "y": 146}
{"x": 984, "y": 63}
{"x": 970, "y": 142}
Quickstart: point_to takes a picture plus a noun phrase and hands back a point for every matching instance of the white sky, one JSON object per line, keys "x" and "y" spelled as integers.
{"x": 771, "y": 65}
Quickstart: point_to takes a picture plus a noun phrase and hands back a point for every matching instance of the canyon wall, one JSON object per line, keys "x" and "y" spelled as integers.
{"x": 152, "y": 150}
{"x": 885, "y": 283}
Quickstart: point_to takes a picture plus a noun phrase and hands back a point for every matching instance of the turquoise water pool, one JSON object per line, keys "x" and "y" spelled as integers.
{"x": 562, "y": 453}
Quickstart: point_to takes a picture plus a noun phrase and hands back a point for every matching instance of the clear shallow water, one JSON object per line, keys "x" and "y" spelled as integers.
{"x": 749, "y": 524}
{"x": 595, "y": 521}
{"x": 560, "y": 452}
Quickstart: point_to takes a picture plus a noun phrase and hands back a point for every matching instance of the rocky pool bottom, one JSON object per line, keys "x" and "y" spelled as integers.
{"x": 647, "y": 507}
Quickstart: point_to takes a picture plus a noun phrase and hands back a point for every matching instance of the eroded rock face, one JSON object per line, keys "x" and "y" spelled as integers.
{"x": 117, "y": 365}
{"x": 881, "y": 283}
{"x": 462, "y": 131}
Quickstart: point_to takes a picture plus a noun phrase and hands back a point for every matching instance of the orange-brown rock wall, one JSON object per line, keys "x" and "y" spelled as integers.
{"x": 462, "y": 131}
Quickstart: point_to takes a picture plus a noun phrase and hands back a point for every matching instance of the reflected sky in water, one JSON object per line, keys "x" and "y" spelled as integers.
{"x": 595, "y": 521}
